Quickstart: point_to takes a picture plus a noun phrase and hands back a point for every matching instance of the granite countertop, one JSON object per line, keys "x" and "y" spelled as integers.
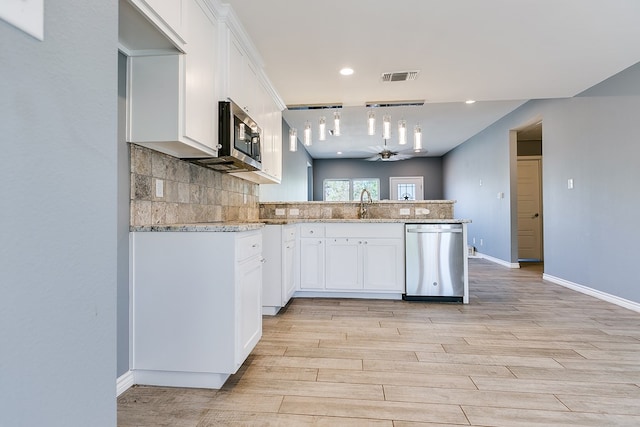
{"x": 372, "y": 220}
{"x": 203, "y": 226}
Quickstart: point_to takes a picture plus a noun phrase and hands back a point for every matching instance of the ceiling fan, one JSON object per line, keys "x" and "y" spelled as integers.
{"x": 386, "y": 155}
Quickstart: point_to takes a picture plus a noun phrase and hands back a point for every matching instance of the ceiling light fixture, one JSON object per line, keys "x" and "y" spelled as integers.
{"x": 293, "y": 139}
{"x": 346, "y": 71}
{"x": 322, "y": 129}
{"x": 402, "y": 132}
{"x": 371, "y": 123}
{"x": 336, "y": 124}
{"x": 386, "y": 126}
{"x": 417, "y": 138}
{"x": 307, "y": 134}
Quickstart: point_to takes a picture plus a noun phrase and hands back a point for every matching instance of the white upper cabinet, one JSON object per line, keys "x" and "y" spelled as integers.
{"x": 246, "y": 86}
{"x": 173, "y": 97}
{"x": 140, "y": 18}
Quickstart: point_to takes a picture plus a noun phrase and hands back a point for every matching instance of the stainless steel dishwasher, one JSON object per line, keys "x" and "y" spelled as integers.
{"x": 434, "y": 256}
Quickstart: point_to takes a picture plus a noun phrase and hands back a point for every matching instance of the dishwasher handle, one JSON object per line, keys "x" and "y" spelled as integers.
{"x": 434, "y": 230}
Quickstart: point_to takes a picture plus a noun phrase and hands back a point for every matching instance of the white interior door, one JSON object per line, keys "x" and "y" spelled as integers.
{"x": 529, "y": 209}
{"x": 406, "y": 188}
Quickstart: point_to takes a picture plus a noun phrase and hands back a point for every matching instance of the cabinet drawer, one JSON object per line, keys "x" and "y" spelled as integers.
{"x": 311, "y": 230}
{"x": 289, "y": 234}
{"x": 248, "y": 246}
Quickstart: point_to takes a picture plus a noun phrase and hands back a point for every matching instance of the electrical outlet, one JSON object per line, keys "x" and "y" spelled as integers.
{"x": 159, "y": 188}
{"x": 405, "y": 211}
{"x": 294, "y": 212}
{"x": 422, "y": 211}
{"x": 280, "y": 211}
{"x": 570, "y": 184}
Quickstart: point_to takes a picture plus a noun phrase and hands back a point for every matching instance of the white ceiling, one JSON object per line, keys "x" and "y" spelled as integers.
{"x": 498, "y": 52}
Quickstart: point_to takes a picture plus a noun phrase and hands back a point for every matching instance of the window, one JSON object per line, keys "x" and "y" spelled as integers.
{"x": 406, "y": 188}
{"x": 336, "y": 190}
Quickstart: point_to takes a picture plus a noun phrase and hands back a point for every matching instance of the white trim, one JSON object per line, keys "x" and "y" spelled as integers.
{"x": 355, "y": 295}
{"x": 631, "y": 305}
{"x": 124, "y": 382}
{"x": 181, "y": 379}
{"x": 498, "y": 260}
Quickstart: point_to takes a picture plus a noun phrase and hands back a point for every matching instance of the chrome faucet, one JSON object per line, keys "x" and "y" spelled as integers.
{"x": 363, "y": 209}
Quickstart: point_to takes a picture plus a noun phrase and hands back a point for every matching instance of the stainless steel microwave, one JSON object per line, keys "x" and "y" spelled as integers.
{"x": 239, "y": 144}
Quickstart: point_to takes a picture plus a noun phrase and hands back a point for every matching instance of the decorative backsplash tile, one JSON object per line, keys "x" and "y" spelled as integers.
{"x": 191, "y": 193}
{"x": 422, "y": 209}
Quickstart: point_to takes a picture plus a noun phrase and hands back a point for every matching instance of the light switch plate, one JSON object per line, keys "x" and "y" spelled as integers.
{"x": 570, "y": 184}
{"x": 405, "y": 211}
{"x": 26, "y": 15}
{"x": 159, "y": 188}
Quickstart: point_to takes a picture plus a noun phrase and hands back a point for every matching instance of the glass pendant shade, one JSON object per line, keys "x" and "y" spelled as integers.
{"x": 371, "y": 123}
{"x": 336, "y": 124}
{"x": 417, "y": 138}
{"x": 307, "y": 134}
{"x": 402, "y": 132}
{"x": 293, "y": 139}
{"x": 386, "y": 127}
{"x": 322, "y": 129}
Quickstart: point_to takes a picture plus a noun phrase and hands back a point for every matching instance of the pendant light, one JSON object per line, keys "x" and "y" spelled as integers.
{"x": 386, "y": 126}
{"x": 322, "y": 129}
{"x": 371, "y": 123}
{"x": 417, "y": 138}
{"x": 307, "y": 134}
{"x": 336, "y": 123}
{"x": 293, "y": 139}
{"x": 402, "y": 132}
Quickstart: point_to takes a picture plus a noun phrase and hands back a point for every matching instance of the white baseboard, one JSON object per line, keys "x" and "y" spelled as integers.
{"x": 353, "y": 295}
{"x": 181, "y": 379}
{"x": 124, "y": 382}
{"x": 631, "y": 305}
{"x": 498, "y": 260}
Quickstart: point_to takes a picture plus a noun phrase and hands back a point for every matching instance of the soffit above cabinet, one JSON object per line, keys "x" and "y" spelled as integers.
{"x": 137, "y": 34}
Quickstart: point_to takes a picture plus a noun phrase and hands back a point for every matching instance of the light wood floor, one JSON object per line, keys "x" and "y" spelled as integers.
{"x": 524, "y": 352}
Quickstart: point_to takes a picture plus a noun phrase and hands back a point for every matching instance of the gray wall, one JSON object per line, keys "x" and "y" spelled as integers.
{"x": 58, "y": 196}
{"x": 590, "y": 235}
{"x": 123, "y": 221}
{"x": 294, "y": 174}
{"x": 428, "y": 167}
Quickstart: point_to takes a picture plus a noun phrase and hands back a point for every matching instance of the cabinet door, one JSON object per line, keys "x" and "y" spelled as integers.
{"x": 248, "y": 307}
{"x": 288, "y": 271}
{"x": 344, "y": 264}
{"x": 170, "y": 11}
{"x": 200, "y": 115}
{"x": 383, "y": 264}
{"x": 311, "y": 263}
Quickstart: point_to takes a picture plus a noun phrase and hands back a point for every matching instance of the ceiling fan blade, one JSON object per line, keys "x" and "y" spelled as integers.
{"x": 373, "y": 158}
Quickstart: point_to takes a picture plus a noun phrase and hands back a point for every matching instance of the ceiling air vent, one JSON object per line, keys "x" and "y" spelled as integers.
{"x": 400, "y": 76}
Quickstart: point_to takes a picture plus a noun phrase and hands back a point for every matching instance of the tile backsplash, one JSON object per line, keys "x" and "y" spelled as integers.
{"x": 191, "y": 193}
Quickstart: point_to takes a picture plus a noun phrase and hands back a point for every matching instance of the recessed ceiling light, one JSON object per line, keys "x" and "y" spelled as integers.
{"x": 470, "y": 101}
{"x": 339, "y": 152}
{"x": 346, "y": 71}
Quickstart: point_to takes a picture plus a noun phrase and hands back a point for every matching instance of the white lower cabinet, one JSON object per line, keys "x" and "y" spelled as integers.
{"x": 348, "y": 257}
{"x": 279, "y": 272}
{"x": 312, "y": 265}
{"x": 197, "y": 299}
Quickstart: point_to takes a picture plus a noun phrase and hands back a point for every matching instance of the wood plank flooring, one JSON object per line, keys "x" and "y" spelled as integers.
{"x": 524, "y": 352}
